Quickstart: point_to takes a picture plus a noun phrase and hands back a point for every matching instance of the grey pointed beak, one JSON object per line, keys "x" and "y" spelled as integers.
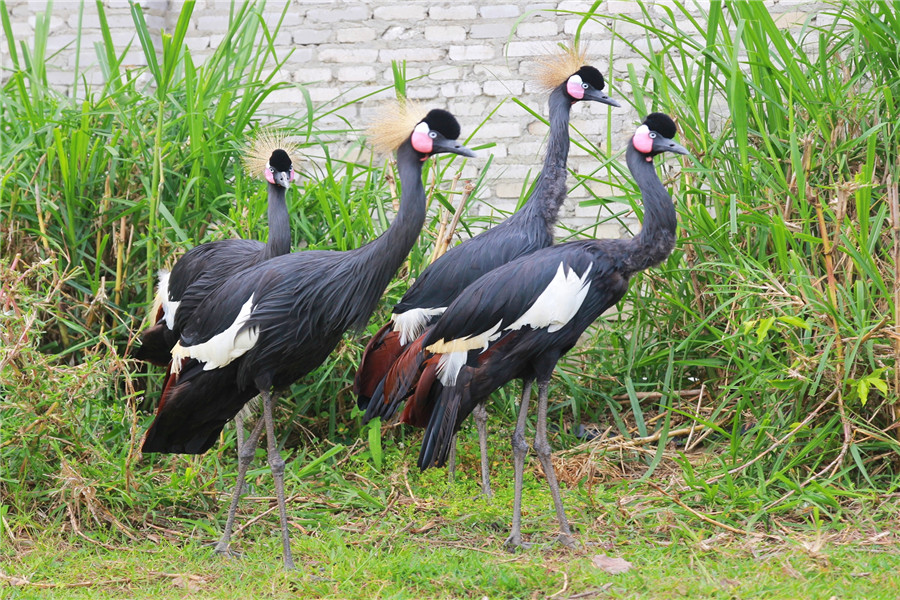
{"x": 283, "y": 179}
{"x": 662, "y": 144}
{"x": 442, "y": 144}
{"x": 599, "y": 96}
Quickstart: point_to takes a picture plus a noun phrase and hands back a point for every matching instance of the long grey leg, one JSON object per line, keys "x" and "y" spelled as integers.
{"x": 451, "y": 461}
{"x": 542, "y": 449}
{"x": 245, "y": 457}
{"x": 520, "y": 447}
{"x": 276, "y": 464}
{"x": 480, "y": 416}
{"x": 239, "y": 429}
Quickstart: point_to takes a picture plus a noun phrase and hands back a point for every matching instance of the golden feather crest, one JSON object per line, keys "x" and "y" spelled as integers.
{"x": 259, "y": 149}
{"x": 557, "y": 67}
{"x": 394, "y": 124}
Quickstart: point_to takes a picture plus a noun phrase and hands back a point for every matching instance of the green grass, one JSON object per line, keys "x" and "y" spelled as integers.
{"x": 360, "y": 533}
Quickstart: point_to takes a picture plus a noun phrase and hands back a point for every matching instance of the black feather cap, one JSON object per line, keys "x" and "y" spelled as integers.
{"x": 591, "y": 76}
{"x": 443, "y": 122}
{"x": 661, "y": 123}
{"x": 280, "y": 160}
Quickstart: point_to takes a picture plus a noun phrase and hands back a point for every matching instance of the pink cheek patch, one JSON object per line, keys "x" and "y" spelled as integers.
{"x": 642, "y": 140}
{"x": 422, "y": 142}
{"x": 575, "y": 90}
{"x": 293, "y": 175}
{"x": 269, "y": 176}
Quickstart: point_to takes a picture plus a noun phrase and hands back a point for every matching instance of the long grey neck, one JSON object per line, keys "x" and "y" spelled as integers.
{"x": 389, "y": 250}
{"x": 550, "y": 189}
{"x": 279, "y": 223}
{"x": 656, "y": 239}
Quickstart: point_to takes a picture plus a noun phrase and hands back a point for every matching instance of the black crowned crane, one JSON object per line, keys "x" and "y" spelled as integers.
{"x": 518, "y": 320}
{"x": 213, "y": 262}
{"x": 271, "y": 324}
{"x": 568, "y": 80}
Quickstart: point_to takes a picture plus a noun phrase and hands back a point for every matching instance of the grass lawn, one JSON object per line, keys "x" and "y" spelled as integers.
{"x": 397, "y": 533}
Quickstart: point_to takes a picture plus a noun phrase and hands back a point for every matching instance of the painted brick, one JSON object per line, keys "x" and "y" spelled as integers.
{"x": 445, "y": 73}
{"x": 348, "y": 55}
{"x": 412, "y": 54}
{"x": 403, "y": 12}
{"x": 461, "y": 89}
{"x": 503, "y": 88}
{"x": 357, "y": 73}
{"x": 308, "y": 35}
{"x": 515, "y": 49}
{"x": 480, "y": 52}
{"x": 423, "y": 92}
{"x": 343, "y": 15}
{"x": 498, "y": 30}
{"x": 312, "y": 74}
{"x": 574, "y": 5}
{"x": 499, "y": 11}
{"x": 195, "y": 43}
{"x": 453, "y": 13}
{"x": 541, "y": 30}
{"x": 591, "y": 27}
{"x": 355, "y": 35}
{"x": 446, "y": 33}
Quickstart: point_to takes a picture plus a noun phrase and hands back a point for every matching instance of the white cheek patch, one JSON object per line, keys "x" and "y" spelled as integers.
{"x": 573, "y": 87}
{"x": 411, "y": 323}
{"x": 223, "y": 347}
{"x": 642, "y": 140}
{"x": 420, "y": 139}
{"x": 558, "y": 303}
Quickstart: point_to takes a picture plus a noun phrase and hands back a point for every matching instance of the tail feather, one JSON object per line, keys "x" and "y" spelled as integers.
{"x": 380, "y": 353}
{"x": 420, "y": 404}
{"x": 445, "y": 421}
{"x": 396, "y": 384}
{"x": 194, "y": 407}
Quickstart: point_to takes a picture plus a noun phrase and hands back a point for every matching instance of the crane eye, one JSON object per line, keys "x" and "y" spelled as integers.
{"x": 272, "y": 169}
{"x": 652, "y": 135}
{"x": 432, "y": 134}
{"x": 584, "y": 85}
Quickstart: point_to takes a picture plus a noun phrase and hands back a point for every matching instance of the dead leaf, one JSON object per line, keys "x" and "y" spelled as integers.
{"x": 425, "y": 527}
{"x": 610, "y": 564}
{"x": 188, "y": 582}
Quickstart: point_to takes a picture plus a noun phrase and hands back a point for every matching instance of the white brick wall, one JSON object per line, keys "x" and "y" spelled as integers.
{"x": 471, "y": 58}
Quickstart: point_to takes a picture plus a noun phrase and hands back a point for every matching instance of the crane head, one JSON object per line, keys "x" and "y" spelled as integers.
{"x": 268, "y": 155}
{"x": 654, "y": 136}
{"x": 279, "y": 170}
{"x": 587, "y": 84}
{"x": 437, "y": 133}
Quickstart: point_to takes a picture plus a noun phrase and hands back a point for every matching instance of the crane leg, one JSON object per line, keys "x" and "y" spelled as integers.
{"x": 480, "y": 416}
{"x": 451, "y": 462}
{"x": 276, "y": 464}
{"x": 239, "y": 429}
{"x": 245, "y": 457}
{"x": 520, "y": 447}
{"x": 542, "y": 449}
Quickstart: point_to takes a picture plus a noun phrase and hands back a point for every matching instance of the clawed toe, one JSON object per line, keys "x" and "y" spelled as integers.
{"x": 568, "y": 541}
{"x": 228, "y": 552}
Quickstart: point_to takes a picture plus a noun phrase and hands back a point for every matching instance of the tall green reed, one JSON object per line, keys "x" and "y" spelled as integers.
{"x": 780, "y": 297}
